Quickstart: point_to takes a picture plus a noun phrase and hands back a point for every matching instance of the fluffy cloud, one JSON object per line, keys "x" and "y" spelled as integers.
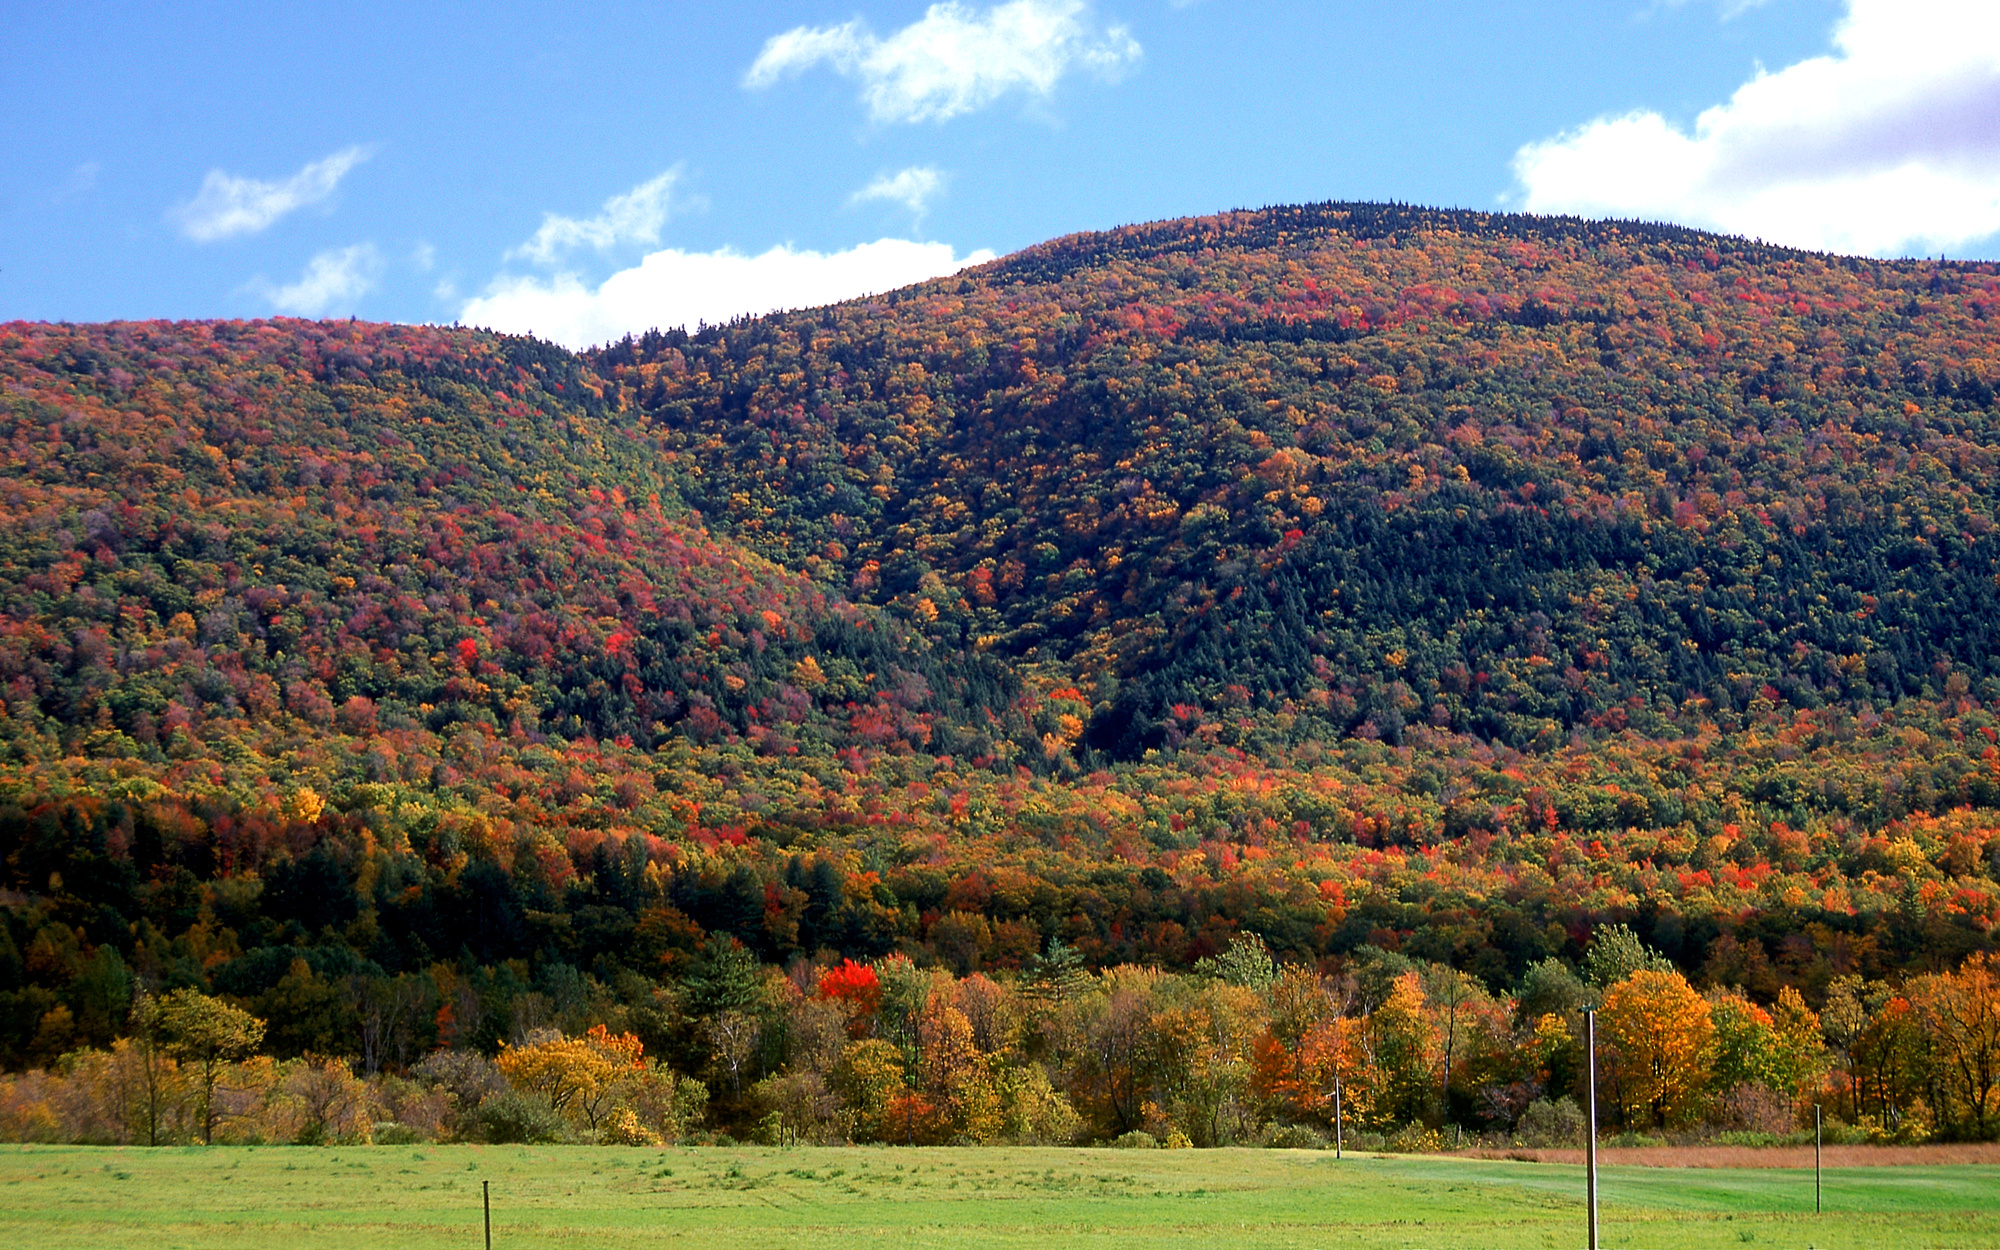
{"x": 634, "y": 217}
{"x": 1889, "y": 145}
{"x": 227, "y": 205}
{"x": 674, "y": 288}
{"x": 954, "y": 59}
{"x": 332, "y": 280}
{"x": 914, "y": 188}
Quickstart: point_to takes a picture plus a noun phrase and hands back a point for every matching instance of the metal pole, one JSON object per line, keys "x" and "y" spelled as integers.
{"x": 486, "y": 1200}
{"x": 1590, "y": 1103}
{"x": 1819, "y": 1193}
{"x": 1336, "y": 1118}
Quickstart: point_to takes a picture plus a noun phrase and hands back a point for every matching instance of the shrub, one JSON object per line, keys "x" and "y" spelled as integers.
{"x": 1033, "y": 1112}
{"x": 467, "y": 1078}
{"x": 1296, "y": 1137}
{"x": 390, "y": 1133}
{"x": 1414, "y": 1139}
{"x": 512, "y": 1118}
{"x": 1137, "y": 1139}
{"x": 622, "y": 1128}
{"x": 1747, "y": 1107}
{"x": 1549, "y": 1124}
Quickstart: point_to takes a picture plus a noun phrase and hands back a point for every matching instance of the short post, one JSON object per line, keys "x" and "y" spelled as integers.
{"x": 1819, "y": 1192}
{"x": 1336, "y": 1118}
{"x": 486, "y": 1201}
{"x": 1590, "y": 1105}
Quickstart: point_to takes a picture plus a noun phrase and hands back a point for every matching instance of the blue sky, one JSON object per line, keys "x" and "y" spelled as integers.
{"x": 579, "y": 170}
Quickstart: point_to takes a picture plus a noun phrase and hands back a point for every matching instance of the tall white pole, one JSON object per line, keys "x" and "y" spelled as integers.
{"x": 1590, "y": 1103}
{"x": 1336, "y": 1118}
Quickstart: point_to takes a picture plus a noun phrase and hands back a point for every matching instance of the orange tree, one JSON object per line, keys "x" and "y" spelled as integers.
{"x": 1308, "y": 1044}
{"x": 1663, "y": 1033}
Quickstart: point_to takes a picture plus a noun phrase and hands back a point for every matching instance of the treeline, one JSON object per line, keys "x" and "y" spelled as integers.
{"x": 1391, "y": 1052}
{"x": 1796, "y": 852}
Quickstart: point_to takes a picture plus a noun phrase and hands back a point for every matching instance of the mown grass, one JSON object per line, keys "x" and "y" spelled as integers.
{"x": 417, "y": 1197}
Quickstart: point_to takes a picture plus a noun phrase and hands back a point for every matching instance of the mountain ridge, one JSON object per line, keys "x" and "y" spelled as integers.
{"x": 1460, "y": 346}
{"x": 1445, "y": 590}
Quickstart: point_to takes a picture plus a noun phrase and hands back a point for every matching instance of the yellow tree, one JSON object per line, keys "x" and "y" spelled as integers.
{"x": 954, "y": 1071}
{"x": 1402, "y": 1046}
{"x": 1842, "y": 1024}
{"x": 579, "y": 1077}
{"x": 1663, "y": 1033}
{"x": 1888, "y": 1059}
{"x": 1799, "y": 1057}
{"x": 1201, "y": 1050}
{"x": 869, "y": 1079}
{"x": 1744, "y": 1042}
{"x": 1960, "y": 1016}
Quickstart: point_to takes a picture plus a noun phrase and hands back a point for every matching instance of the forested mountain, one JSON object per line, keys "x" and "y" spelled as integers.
{"x": 1377, "y": 581}
{"x": 1366, "y": 466}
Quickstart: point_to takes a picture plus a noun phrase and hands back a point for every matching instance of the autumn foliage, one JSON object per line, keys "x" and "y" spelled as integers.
{"x": 989, "y": 661}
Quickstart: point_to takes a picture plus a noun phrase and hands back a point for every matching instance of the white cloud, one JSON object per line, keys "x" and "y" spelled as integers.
{"x": 675, "y": 288}
{"x": 955, "y": 59}
{"x": 332, "y": 280}
{"x": 914, "y": 188}
{"x": 634, "y": 217}
{"x": 227, "y": 205}
{"x": 1889, "y": 145}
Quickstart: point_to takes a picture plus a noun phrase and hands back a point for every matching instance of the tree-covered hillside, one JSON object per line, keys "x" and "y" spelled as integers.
{"x": 1364, "y": 467}
{"x": 1415, "y": 591}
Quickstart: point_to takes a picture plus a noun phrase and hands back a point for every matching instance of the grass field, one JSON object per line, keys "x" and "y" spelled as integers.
{"x": 581, "y": 1198}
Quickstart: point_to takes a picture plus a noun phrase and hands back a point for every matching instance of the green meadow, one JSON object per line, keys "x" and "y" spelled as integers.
{"x": 581, "y": 1198}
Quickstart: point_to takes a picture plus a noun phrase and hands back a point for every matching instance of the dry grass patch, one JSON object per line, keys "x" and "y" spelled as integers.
{"x": 1761, "y": 1156}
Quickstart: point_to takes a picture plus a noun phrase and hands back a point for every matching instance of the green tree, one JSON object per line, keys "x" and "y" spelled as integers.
{"x": 207, "y": 1033}
{"x": 1547, "y": 988}
{"x": 725, "y": 977}
{"x": 1247, "y": 963}
{"x": 1058, "y": 975}
{"x": 1615, "y": 953}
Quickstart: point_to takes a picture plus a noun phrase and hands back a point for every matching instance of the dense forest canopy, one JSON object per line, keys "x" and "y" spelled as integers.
{"x": 1505, "y": 475}
{"x": 1388, "y": 584}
